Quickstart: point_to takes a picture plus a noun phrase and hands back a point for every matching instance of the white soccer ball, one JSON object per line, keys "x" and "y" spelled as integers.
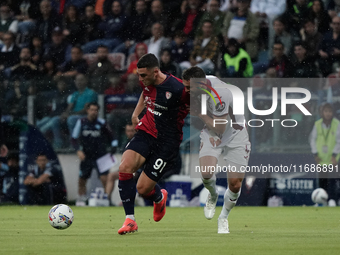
{"x": 320, "y": 196}
{"x": 60, "y": 216}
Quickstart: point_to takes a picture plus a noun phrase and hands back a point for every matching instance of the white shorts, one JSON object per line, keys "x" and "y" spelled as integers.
{"x": 235, "y": 152}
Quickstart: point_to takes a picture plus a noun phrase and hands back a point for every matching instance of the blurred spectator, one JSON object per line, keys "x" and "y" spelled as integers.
{"x": 135, "y": 28}
{"x": 191, "y": 16}
{"x": 91, "y": 22}
{"x": 25, "y": 70}
{"x": 140, "y": 50}
{"x": 10, "y": 52}
{"x": 157, "y": 15}
{"x": 312, "y": 38}
{"x": 10, "y": 184}
{"x": 204, "y": 54}
{"x": 120, "y": 113}
{"x": 116, "y": 88}
{"x": 138, "y": 22}
{"x": 325, "y": 145}
{"x": 79, "y": 4}
{"x": 304, "y": 66}
{"x": 228, "y": 5}
{"x": 99, "y": 7}
{"x": 280, "y": 34}
{"x": 236, "y": 62}
{"x": 16, "y": 98}
{"x": 58, "y": 50}
{"x": 215, "y": 15}
{"x": 167, "y": 65}
{"x": 90, "y": 137}
{"x": 78, "y": 104}
{"x": 296, "y": 14}
{"x": 101, "y": 69}
{"x": 74, "y": 28}
{"x": 243, "y": 26}
{"x": 113, "y": 27}
{"x": 157, "y": 42}
{"x": 266, "y": 11}
{"x": 52, "y": 121}
{"x": 280, "y": 62}
{"x": 48, "y": 69}
{"x": 37, "y": 50}
{"x": 74, "y": 66}
{"x": 26, "y": 12}
{"x": 47, "y": 22}
{"x": 333, "y": 8}
{"x": 45, "y": 183}
{"x": 7, "y": 22}
{"x": 180, "y": 49}
{"x": 320, "y": 16}
{"x": 330, "y": 48}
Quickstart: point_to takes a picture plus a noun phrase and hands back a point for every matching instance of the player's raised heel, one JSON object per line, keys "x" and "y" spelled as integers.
{"x": 222, "y": 226}
{"x": 210, "y": 206}
{"x": 129, "y": 226}
{"x": 160, "y": 208}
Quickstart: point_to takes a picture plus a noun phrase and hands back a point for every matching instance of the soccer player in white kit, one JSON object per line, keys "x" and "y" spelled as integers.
{"x": 230, "y": 140}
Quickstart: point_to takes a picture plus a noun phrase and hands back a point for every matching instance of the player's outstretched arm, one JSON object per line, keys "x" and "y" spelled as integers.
{"x": 139, "y": 108}
{"x": 214, "y": 124}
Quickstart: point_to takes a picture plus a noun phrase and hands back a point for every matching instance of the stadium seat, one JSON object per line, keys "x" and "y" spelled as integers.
{"x": 332, "y": 79}
{"x": 118, "y": 60}
{"x": 132, "y": 57}
{"x": 258, "y": 81}
{"x": 90, "y": 58}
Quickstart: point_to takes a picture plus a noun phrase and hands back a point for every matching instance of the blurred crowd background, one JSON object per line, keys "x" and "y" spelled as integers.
{"x": 58, "y": 55}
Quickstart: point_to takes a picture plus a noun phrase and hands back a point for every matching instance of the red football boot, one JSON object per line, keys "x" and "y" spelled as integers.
{"x": 160, "y": 208}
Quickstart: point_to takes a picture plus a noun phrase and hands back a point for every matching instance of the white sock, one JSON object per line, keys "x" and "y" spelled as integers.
{"x": 210, "y": 184}
{"x": 130, "y": 216}
{"x": 230, "y": 199}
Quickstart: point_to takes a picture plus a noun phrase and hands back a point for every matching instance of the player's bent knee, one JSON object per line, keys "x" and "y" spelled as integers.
{"x": 234, "y": 185}
{"x": 125, "y": 168}
{"x": 143, "y": 190}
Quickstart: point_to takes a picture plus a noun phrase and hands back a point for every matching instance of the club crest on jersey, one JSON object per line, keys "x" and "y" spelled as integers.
{"x": 168, "y": 95}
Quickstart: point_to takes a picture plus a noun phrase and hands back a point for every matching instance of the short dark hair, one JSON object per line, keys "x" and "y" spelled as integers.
{"x": 308, "y": 21}
{"x": 280, "y": 19}
{"x": 278, "y": 42}
{"x": 193, "y": 72}
{"x": 148, "y": 61}
{"x": 208, "y": 21}
{"x": 41, "y": 154}
{"x": 302, "y": 44}
{"x": 327, "y": 106}
{"x": 102, "y": 46}
{"x": 13, "y": 156}
{"x": 93, "y": 103}
{"x": 78, "y": 47}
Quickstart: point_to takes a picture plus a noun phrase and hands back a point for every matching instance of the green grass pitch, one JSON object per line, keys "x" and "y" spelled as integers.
{"x": 254, "y": 230}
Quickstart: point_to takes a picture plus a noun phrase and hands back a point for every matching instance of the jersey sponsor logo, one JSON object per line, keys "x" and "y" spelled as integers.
{"x": 154, "y": 173}
{"x": 140, "y": 123}
{"x": 154, "y": 112}
{"x": 168, "y": 95}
